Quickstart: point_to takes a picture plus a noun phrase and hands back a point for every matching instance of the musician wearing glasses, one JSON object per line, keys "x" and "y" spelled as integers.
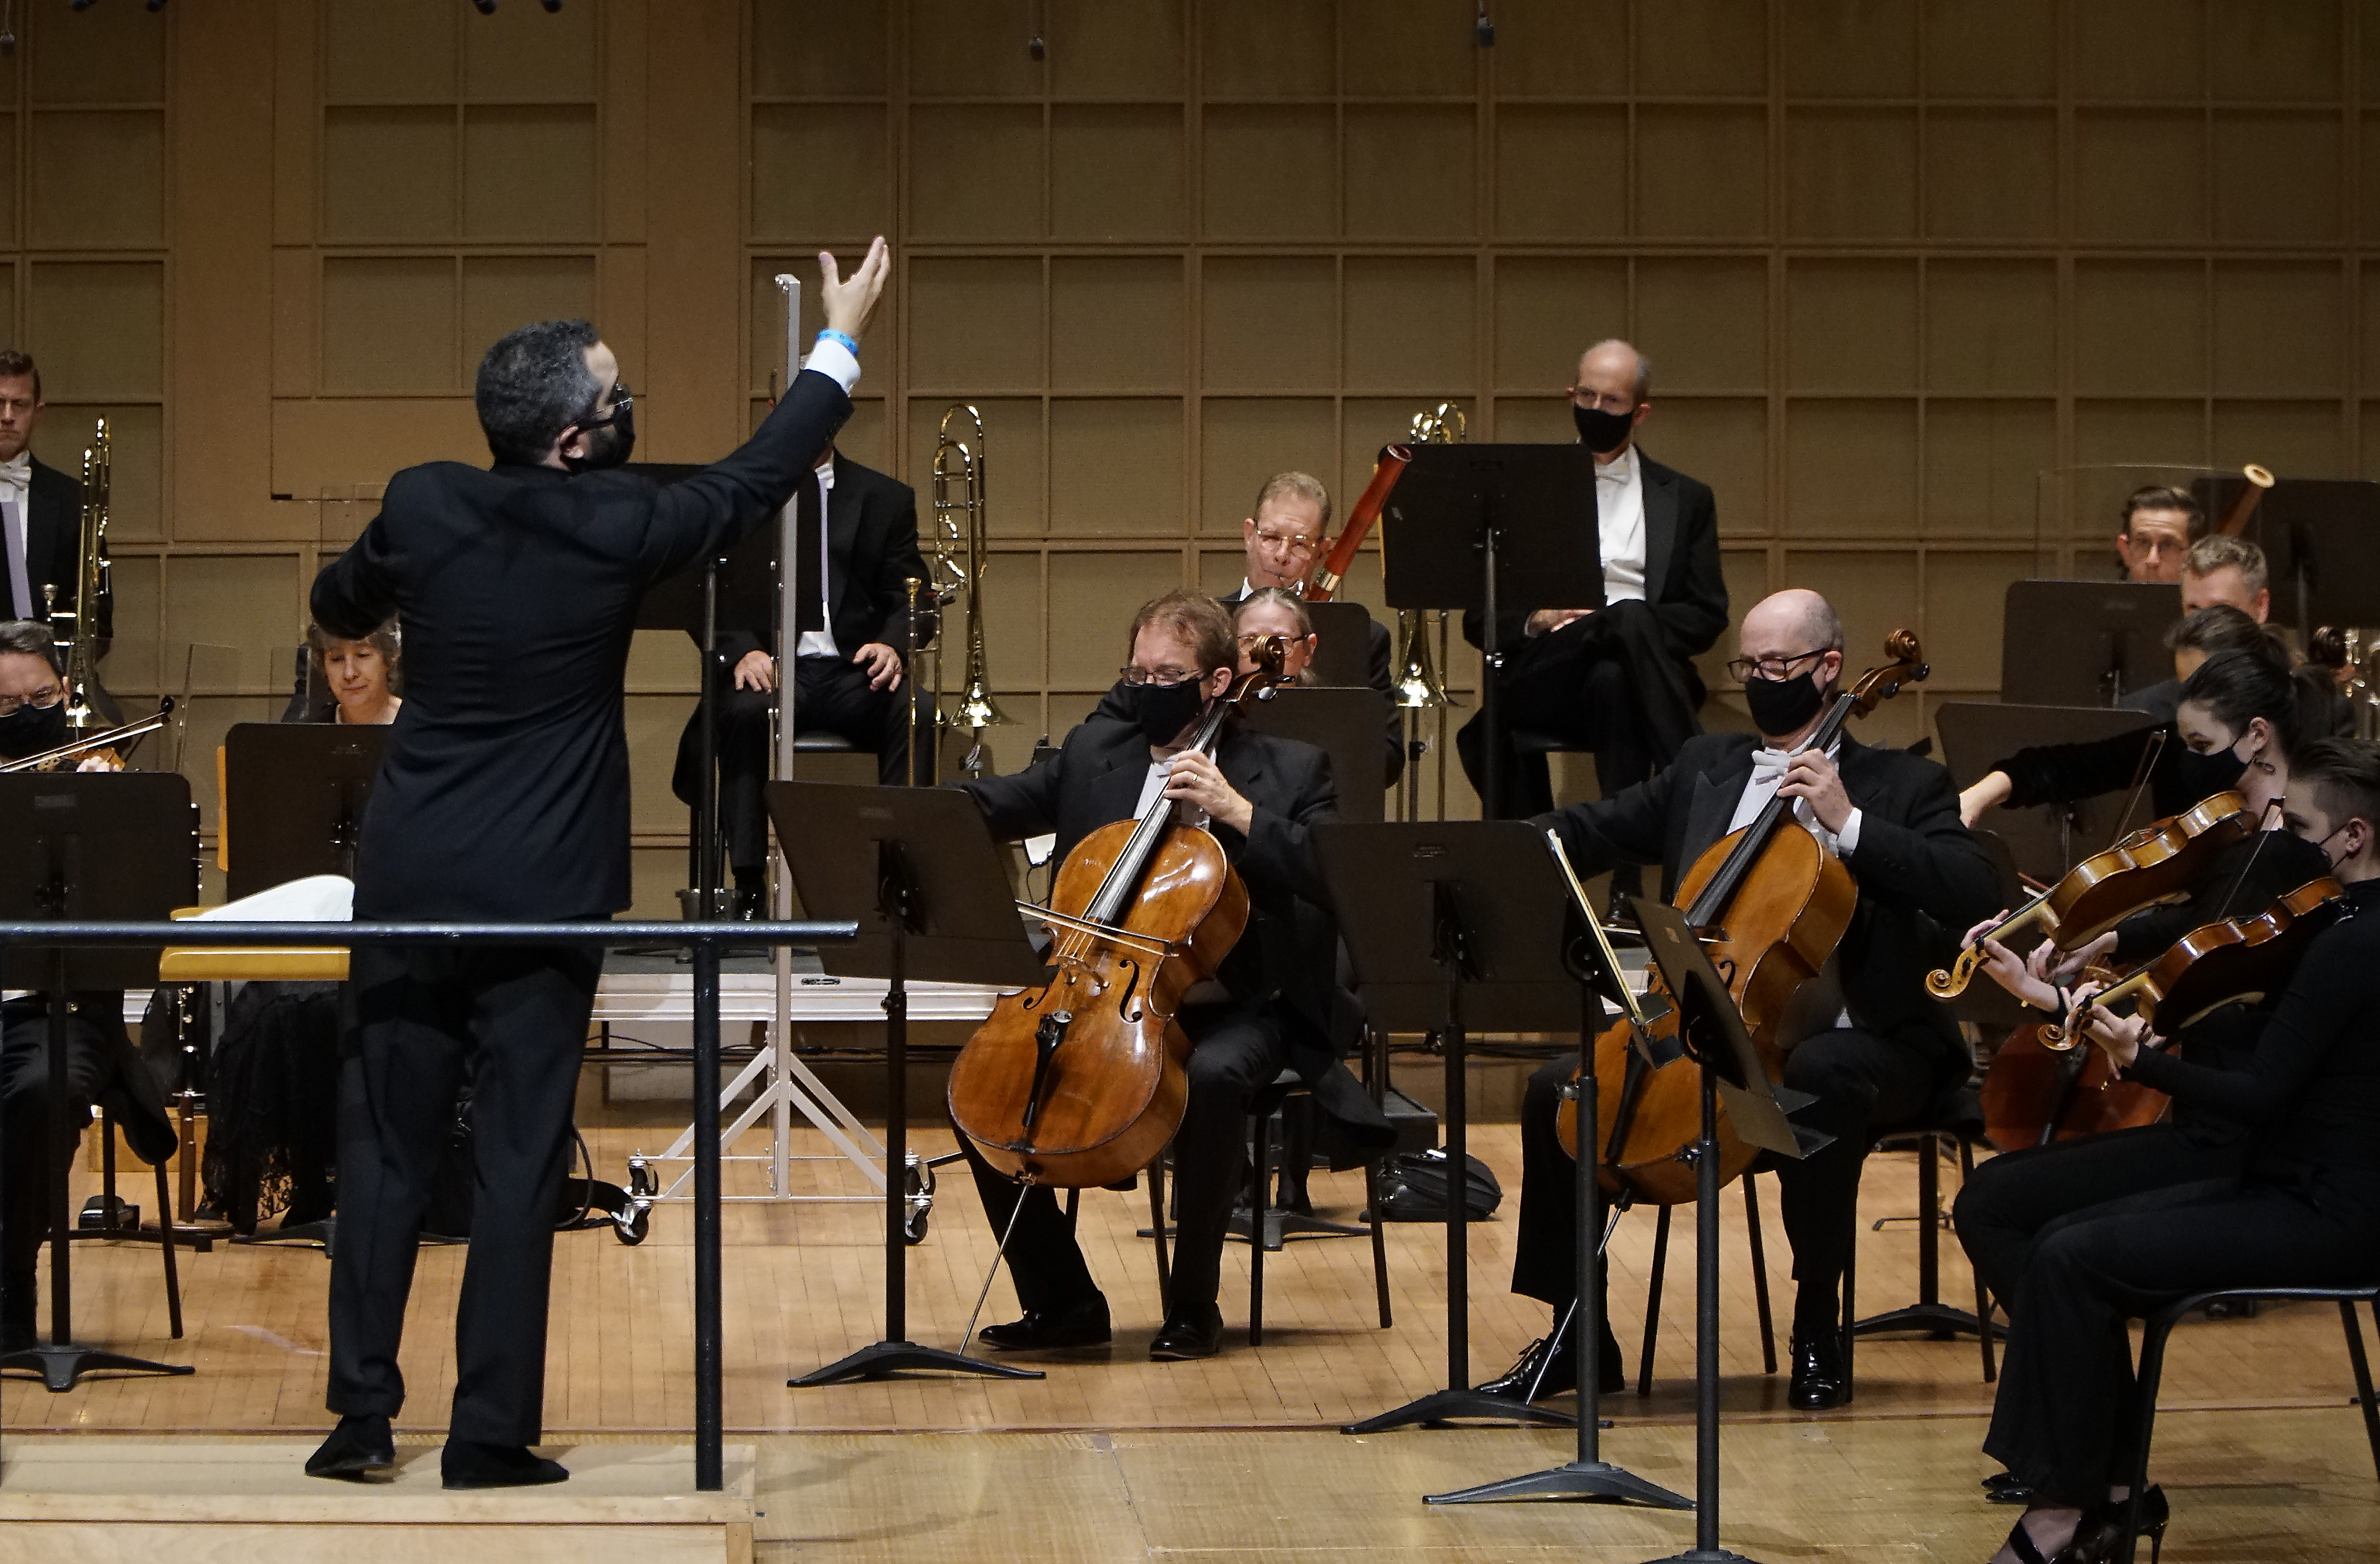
{"x": 1619, "y": 680}
{"x": 41, "y": 508}
{"x": 848, "y": 672}
{"x": 1864, "y": 1038}
{"x": 101, "y": 1064}
{"x": 503, "y": 796}
{"x": 1273, "y": 1004}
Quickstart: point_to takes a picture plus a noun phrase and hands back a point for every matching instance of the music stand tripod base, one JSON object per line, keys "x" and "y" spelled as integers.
{"x": 1441, "y": 1407}
{"x": 61, "y": 1363}
{"x": 1590, "y": 1480}
{"x": 884, "y": 1359}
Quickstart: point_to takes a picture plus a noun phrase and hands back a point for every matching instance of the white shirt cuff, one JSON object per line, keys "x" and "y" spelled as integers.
{"x": 1846, "y": 839}
{"x": 836, "y": 362}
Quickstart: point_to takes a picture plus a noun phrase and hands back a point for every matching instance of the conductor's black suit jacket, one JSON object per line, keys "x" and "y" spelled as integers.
{"x": 54, "y": 542}
{"x": 1923, "y": 879}
{"x": 504, "y": 790}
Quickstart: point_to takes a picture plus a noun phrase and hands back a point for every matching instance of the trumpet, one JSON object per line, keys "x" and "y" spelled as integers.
{"x": 105, "y": 739}
{"x": 959, "y": 551}
{"x": 76, "y": 630}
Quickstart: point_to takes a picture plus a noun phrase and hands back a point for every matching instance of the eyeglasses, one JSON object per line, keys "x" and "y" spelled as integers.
{"x": 12, "y": 704}
{"x": 1774, "y": 669}
{"x": 624, "y": 403}
{"x": 1163, "y": 678}
{"x": 1249, "y": 641}
{"x": 1610, "y": 401}
{"x": 1287, "y": 542}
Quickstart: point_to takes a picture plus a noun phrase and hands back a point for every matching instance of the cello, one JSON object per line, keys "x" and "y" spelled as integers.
{"x": 1771, "y": 905}
{"x": 1081, "y": 1082}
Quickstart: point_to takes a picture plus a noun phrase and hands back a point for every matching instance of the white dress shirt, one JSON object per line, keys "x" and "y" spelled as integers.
{"x": 1186, "y": 812}
{"x": 1768, "y": 772}
{"x": 820, "y": 641}
{"x": 1620, "y": 524}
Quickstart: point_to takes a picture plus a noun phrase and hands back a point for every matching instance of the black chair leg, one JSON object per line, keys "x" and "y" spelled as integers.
{"x": 1074, "y": 1207}
{"x": 1850, "y": 1314}
{"x": 1258, "y": 1200}
{"x": 2363, "y": 1367}
{"x": 1760, "y": 1276}
{"x": 1157, "y": 1228}
{"x": 165, "y": 1242}
{"x": 1380, "y": 1239}
{"x": 2151, "y": 1369}
{"x": 1653, "y": 1303}
{"x": 1983, "y": 1297}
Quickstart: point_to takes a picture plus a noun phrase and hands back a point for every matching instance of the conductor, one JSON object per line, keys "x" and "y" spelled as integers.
{"x": 503, "y": 796}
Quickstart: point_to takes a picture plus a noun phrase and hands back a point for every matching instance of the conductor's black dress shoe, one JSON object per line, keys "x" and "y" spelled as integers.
{"x": 357, "y": 1449}
{"x": 467, "y": 1464}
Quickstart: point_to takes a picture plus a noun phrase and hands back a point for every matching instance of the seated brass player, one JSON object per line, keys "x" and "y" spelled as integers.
{"x": 101, "y": 1064}
{"x": 1874, "y": 1049}
{"x": 1274, "y": 1003}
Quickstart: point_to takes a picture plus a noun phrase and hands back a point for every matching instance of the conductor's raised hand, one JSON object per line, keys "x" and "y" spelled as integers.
{"x": 848, "y": 303}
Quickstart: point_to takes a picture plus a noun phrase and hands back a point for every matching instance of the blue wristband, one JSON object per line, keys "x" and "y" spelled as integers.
{"x": 850, "y": 344}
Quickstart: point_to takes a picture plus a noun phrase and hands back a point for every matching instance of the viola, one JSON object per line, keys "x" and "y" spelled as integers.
{"x": 2237, "y": 959}
{"x": 1081, "y": 1082}
{"x": 1772, "y": 905}
{"x": 2033, "y": 1095}
{"x": 2160, "y": 861}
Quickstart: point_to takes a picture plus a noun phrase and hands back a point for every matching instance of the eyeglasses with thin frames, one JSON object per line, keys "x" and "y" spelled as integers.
{"x": 1774, "y": 669}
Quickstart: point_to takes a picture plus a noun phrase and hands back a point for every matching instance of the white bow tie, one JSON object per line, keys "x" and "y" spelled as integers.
{"x": 17, "y": 474}
{"x": 1769, "y": 771}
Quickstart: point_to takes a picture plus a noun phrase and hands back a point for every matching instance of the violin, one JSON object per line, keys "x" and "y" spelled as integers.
{"x": 2240, "y": 958}
{"x": 1081, "y": 1081}
{"x": 1772, "y": 905}
{"x": 2033, "y": 1095}
{"x": 2159, "y": 863}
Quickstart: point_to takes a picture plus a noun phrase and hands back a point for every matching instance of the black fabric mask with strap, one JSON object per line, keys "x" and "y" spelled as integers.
{"x": 1783, "y": 705}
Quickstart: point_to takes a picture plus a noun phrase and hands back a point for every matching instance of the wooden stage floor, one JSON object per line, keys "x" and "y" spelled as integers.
{"x": 1115, "y": 1457}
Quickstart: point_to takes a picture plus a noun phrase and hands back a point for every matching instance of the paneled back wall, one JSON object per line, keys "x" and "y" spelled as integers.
{"x": 1914, "y": 273}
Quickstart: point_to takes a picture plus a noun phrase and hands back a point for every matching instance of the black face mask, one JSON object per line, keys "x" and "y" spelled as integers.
{"x": 1783, "y": 706}
{"x": 608, "y": 442}
{"x": 29, "y": 729}
{"x": 1602, "y": 432}
{"x": 1161, "y": 711}
{"x": 2204, "y": 776}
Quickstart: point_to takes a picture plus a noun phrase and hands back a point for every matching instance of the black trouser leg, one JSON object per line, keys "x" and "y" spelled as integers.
{"x": 1865, "y": 1084}
{"x": 834, "y": 697}
{"x": 2063, "y": 1419}
{"x": 1545, "y": 1252}
{"x": 1235, "y": 1052}
{"x": 27, "y": 1208}
{"x": 2010, "y": 1203}
{"x": 1571, "y": 686}
{"x": 1045, "y": 1262}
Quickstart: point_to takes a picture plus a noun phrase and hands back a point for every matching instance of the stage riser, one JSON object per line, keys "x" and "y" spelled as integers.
{"x": 116, "y": 1542}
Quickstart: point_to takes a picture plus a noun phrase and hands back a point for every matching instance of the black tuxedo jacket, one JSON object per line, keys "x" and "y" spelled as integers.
{"x": 1923, "y": 879}
{"x": 871, "y": 538}
{"x": 52, "y": 542}
{"x": 1683, "y": 585}
{"x": 504, "y": 790}
{"x": 1289, "y": 952}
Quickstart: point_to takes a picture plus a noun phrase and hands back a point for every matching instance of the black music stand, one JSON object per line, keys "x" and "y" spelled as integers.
{"x": 1497, "y": 529}
{"x": 86, "y": 845}
{"x": 1455, "y": 927}
{"x": 1347, "y": 724}
{"x": 293, "y": 799}
{"x": 2320, "y": 538}
{"x": 2084, "y": 643}
{"x": 1712, "y": 1030}
{"x": 736, "y": 588}
{"x": 1342, "y": 643}
{"x": 916, "y": 868}
{"x": 2046, "y": 838}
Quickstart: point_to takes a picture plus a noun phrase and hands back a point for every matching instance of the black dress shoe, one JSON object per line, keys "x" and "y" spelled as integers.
{"x": 357, "y": 1448}
{"x": 1819, "y": 1382}
{"x": 465, "y": 1465}
{"x": 1078, "y": 1325}
{"x": 1546, "y": 1366}
{"x": 2007, "y": 1487}
{"x": 1197, "y": 1336}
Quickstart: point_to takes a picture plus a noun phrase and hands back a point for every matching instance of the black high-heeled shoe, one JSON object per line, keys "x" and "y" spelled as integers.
{"x": 2155, "y": 1513}
{"x": 2093, "y": 1536}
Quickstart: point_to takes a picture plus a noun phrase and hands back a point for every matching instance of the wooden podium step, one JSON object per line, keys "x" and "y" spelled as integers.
{"x": 75, "y": 1499}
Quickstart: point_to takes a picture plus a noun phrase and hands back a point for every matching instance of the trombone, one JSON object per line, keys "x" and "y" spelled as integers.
{"x": 957, "y": 569}
{"x": 76, "y": 630}
{"x": 1418, "y": 686}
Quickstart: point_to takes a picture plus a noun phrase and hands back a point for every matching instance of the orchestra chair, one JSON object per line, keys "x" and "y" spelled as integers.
{"x": 112, "y": 1226}
{"x": 1957, "y": 1125}
{"x": 2152, "y": 1367}
{"x": 1759, "y": 1283}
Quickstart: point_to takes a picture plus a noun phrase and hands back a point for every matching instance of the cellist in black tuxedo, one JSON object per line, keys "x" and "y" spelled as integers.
{"x": 503, "y": 794}
{"x": 1275, "y": 1002}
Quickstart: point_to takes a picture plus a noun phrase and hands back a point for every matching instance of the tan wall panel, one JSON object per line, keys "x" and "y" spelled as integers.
{"x": 1116, "y": 323}
{"x": 2276, "y": 176}
{"x": 398, "y": 51}
{"x": 1851, "y": 467}
{"x": 110, "y": 54}
{"x": 2278, "y": 49}
{"x": 523, "y": 56}
{"x": 529, "y": 173}
{"x": 1850, "y": 174}
{"x": 2140, "y": 177}
{"x": 1269, "y": 324}
{"x": 1562, "y": 48}
{"x": 388, "y": 174}
{"x": 389, "y": 325}
{"x": 2307, "y": 436}
{"x": 2139, "y": 326}
{"x": 1247, "y": 440}
{"x": 2279, "y": 329}
{"x": 1544, "y": 417}
{"x": 975, "y": 324}
{"x": 1116, "y": 48}
{"x": 974, "y": 172}
{"x": 1701, "y": 47}
{"x": 1540, "y": 150}
{"x": 1409, "y": 324}
{"x": 1406, "y": 48}
{"x": 1983, "y": 464}
{"x": 1549, "y": 310}
{"x": 818, "y": 51}
{"x": 1115, "y": 466}
{"x": 1709, "y": 316}
{"x": 328, "y": 448}
{"x": 1991, "y": 174}
{"x": 1270, "y": 172}
{"x": 1117, "y": 172}
{"x": 504, "y": 292}
{"x": 1964, "y": 615}
{"x": 1016, "y": 625}
{"x": 1849, "y": 48}
{"x": 98, "y": 178}
{"x": 2005, "y": 50}
{"x": 2139, "y": 49}
{"x": 1723, "y": 441}
{"x": 654, "y": 723}
{"x": 1991, "y": 326}
{"x": 1269, "y": 48}
{"x": 1013, "y": 428}
{"x": 2140, "y": 430}
{"x": 131, "y": 664}
{"x": 972, "y": 48}
{"x": 98, "y": 328}
{"x": 8, "y": 233}
{"x": 136, "y": 481}
{"x": 1091, "y": 601}
{"x": 1702, "y": 171}
{"x": 1411, "y": 172}
{"x": 253, "y": 602}
{"x": 1851, "y": 325}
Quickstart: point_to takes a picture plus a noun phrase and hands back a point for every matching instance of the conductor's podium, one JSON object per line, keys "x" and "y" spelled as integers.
{"x": 324, "y": 898}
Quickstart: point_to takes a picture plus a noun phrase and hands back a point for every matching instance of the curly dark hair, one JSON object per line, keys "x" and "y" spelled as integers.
{"x": 533, "y": 384}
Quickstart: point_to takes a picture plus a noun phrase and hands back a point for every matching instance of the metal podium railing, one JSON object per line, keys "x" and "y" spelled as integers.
{"x": 705, "y": 938}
